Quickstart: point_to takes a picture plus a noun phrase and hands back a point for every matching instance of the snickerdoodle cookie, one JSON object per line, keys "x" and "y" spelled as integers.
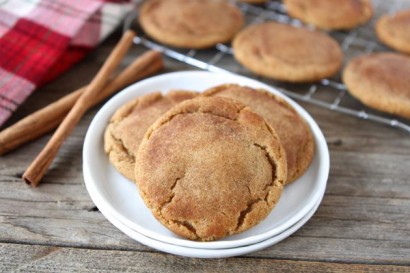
{"x": 331, "y": 14}
{"x": 190, "y": 23}
{"x": 394, "y": 30}
{"x": 129, "y": 124}
{"x": 210, "y": 167}
{"x": 292, "y": 130}
{"x": 381, "y": 81}
{"x": 287, "y": 53}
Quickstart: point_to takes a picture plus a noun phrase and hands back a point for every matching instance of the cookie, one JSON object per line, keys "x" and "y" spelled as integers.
{"x": 287, "y": 53}
{"x": 331, "y": 15}
{"x": 294, "y": 133}
{"x": 190, "y": 23}
{"x": 394, "y": 30}
{"x": 381, "y": 81}
{"x": 209, "y": 168}
{"x": 129, "y": 124}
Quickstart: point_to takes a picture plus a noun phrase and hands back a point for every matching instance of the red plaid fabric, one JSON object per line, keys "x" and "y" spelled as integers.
{"x": 40, "y": 39}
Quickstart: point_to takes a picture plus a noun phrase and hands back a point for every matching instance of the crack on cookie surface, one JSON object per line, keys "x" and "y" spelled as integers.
{"x": 172, "y": 195}
{"x": 121, "y": 146}
{"x": 267, "y": 189}
{"x": 271, "y": 162}
{"x": 189, "y": 227}
{"x": 249, "y": 190}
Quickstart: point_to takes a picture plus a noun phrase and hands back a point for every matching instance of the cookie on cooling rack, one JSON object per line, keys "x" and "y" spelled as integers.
{"x": 293, "y": 132}
{"x": 209, "y": 168}
{"x": 129, "y": 124}
{"x": 394, "y": 30}
{"x": 381, "y": 81}
{"x": 330, "y": 14}
{"x": 190, "y": 23}
{"x": 287, "y": 53}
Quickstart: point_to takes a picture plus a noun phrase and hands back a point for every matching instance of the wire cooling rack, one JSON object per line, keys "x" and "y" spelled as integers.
{"x": 328, "y": 93}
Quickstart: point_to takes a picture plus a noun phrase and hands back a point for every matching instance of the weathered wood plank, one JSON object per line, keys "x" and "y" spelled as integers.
{"x": 20, "y": 258}
{"x": 383, "y": 187}
{"x": 62, "y": 215}
{"x": 380, "y": 166}
{"x": 339, "y": 250}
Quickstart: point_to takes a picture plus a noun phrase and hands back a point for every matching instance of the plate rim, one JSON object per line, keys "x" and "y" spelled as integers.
{"x": 203, "y": 252}
{"x": 317, "y": 133}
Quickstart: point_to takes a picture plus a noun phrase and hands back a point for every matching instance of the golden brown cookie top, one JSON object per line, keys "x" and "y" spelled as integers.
{"x": 130, "y": 122}
{"x": 331, "y": 14}
{"x": 394, "y": 30}
{"x": 190, "y": 23}
{"x": 381, "y": 81}
{"x": 292, "y": 130}
{"x": 210, "y": 167}
{"x": 287, "y": 53}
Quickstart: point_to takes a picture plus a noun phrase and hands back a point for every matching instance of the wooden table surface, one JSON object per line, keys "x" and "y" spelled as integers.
{"x": 363, "y": 223}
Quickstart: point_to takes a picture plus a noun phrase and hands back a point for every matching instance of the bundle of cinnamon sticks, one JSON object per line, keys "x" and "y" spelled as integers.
{"x": 67, "y": 111}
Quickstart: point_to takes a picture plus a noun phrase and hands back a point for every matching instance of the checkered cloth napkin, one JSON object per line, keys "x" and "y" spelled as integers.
{"x": 40, "y": 39}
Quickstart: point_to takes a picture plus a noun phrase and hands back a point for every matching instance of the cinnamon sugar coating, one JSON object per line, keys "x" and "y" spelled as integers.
{"x": 129, "y": 124}
{"x": 331, "y": 14}
{"x": 394, "y": 30}
{"x": 209, "y": 168}
{"x": 287, "y": 53}
{"x": 293, "y": 131}
{"x": 381, "y": 81}
{"x": 190, "y": 23}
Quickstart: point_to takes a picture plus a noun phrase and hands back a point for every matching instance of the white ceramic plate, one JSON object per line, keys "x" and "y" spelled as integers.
{"x": 125, "y": 204}
{"x": 198, "y": 252}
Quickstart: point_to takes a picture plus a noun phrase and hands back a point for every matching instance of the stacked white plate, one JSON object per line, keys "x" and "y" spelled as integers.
{"x": 119, "y": 201}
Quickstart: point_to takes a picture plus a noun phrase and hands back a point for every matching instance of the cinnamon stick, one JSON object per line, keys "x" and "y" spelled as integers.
{"x": 39, "y": 166}
{"x": 49, "y": 117}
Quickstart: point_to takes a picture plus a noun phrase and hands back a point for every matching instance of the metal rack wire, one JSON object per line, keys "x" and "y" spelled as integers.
{"x": 328, "y": 93}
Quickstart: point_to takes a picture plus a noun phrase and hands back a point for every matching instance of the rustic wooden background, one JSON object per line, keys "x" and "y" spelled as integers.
{"x": 363, "y": 223}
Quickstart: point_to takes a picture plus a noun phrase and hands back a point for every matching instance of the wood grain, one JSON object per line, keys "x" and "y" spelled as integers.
{"x": 16, "y": 258}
